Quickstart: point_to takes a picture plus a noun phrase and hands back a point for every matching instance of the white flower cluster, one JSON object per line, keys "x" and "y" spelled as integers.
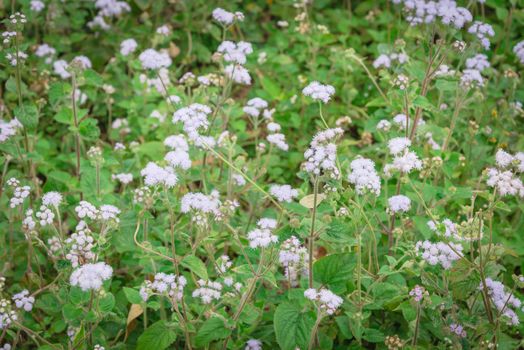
{"x": 227, "y": 18}
{"x": 478, "y": 62}
{"x": 253, "y": 344}
{"x": 279, "y": 140}
{"x": 384, "y": 125}
{"x": 448, "y": 227}
{"x": 80, "y": 246}
{"x": 52, "y": 199}
{"x": 61, "y": 67}
{"x": 458, "y": 330}
{"x": 108, "y": 9}
{"x": 403, "y": 122}
{"x": 519, "y": 51}
{"x": 471, "y": 78}
{"x": 427, "y": 11}
{"x": 128, "y": 46}
{"x": 28, "y": 224}
{"x": 399, "y": 204}
{"x": 168, "y": 285}
{"x": 238, "y": 73}
{"x": 200, "y": 206}
{"x": 7, "y": 315}
{"x": 319, "y": 92}
{"x": 8, "y": 129}
{"x": 439, "y": 253}
{"x": 235, "y": 52}
{"x": 482, "y": 31}
{"x": 20, "y": 193}
{"x": 155, "y": 175}
{"x": 124, "y": 178}
{"x": 37, "y": 5}
{"x": 364, "y": 176}
{"x": 385, "y": 60}
{"x": 153, "y": 59}
{"x": 294, "y": 258}
{"x": 91, "y": 276}
{"x": 16, "y": 58}
{"x": 223, "y": 264}
{"x": 85, "y": 209}
{"x": 283, "y": 193}
{"x": 109, "y": 213}
{"x": 325, "y": 300}
{"x": 179, "y": 156}
{"x": 45, "y": 216}
{"x": 504, "y": 178}
{"x": 417, "y": 293}
{"x": 46, "y": 51}
{"x": 194, "y": 119}
{"x": 322, "y": 153}
{"x": 255, "y": 106}
{"x": 503, "y": 300}
{"x": 404, "y": 160}
{"x": 24, "y": 300}
{"x": 207, "y": 291}
{"x": 263, "y": 236}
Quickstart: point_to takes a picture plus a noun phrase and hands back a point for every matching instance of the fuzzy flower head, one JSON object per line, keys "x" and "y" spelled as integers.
{"x": 294, "y": 257}
{"x": 418, "y": 293}
{"x": 399, "y": 204}
{"x": 154, "y": 60}
{"x": 253, "y": 344}
{"x": 167, "y": 285}
{"x": 324, "y": 299}
{"x": 505, "y": 302}
{"x": 235, "y": 52}
{"x": 439, "y": 253}
{"x": 237, "y": 73}
{"x": 364, "y": 176}
{"x": 201, "y": 206}
{"x": 52, "y": 199}
{"x": 227, "y": 18}
{"x": 24, "y": 300}
{"x": 319, "y": 92}
{"x": 207, "y": 291}
{"x": 128, "y": 46}
{"x": 263, "y": 236}
{"x": 322, "y": 154}
{"x": 91, "y": 276}
{"x": 155, "y": 175}
{"x": 283, "y": 193}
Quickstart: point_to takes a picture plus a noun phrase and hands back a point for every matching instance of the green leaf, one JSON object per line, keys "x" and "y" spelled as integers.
{"x": 271, "y": 88}
{"x": 212, "y": 329}
{"x": 57, "y": 92}
{"x": 27, "y": 115}
{"x": 158, "y": 336}
{"x": 195, "y": 265}
{"x": 292, "y": 326}
{"x": 88, "y": 129}
{"x": 107, "y": 303}
{"x": 64, "y": 116}
{"x": 373, "y": 335}
{"x": 93, "y": 78}
{"x": 133, "y": 296}
{"x": 334, "y": 271}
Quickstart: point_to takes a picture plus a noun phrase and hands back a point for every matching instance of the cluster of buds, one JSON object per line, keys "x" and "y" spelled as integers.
{"x": 393, "y": 342}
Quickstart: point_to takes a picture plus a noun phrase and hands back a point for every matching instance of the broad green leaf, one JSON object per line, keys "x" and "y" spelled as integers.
{"x": 334, "y": 271}
{"x": 195, "y": 265}
{"x": 158, "y": 336}
{"x": 213, "y": 328}
{"x": 292, "y": 326}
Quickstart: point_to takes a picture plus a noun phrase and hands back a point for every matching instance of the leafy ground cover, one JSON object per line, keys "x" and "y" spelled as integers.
{"x": 191, "y": 174}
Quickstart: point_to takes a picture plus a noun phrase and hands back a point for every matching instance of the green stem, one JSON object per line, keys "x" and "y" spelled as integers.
{"x": 312, "y": 231}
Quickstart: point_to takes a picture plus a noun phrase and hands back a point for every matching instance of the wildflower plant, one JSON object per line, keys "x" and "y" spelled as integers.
{"x": 263, "y": 175}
